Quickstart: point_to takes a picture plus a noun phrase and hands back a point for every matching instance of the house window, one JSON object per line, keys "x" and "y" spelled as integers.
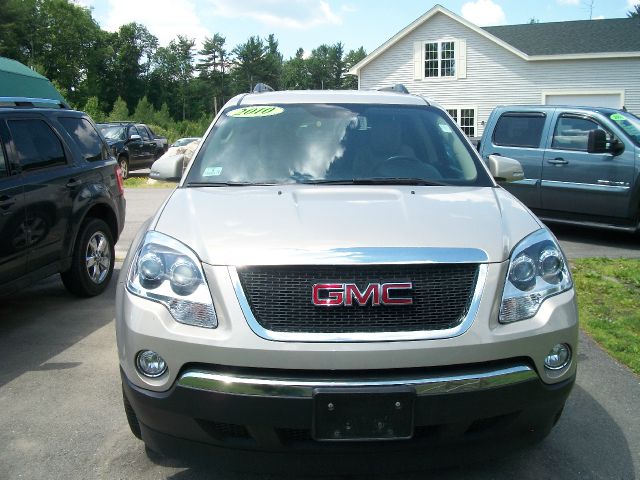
{"x": 465, "y": 117}
{"x": 440, "y": 59}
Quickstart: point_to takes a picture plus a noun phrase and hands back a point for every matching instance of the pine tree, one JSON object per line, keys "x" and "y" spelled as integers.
{"x": 120, "y": 111}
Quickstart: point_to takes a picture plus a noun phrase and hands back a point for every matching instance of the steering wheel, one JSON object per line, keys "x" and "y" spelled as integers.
{"x": 402, "y": 161}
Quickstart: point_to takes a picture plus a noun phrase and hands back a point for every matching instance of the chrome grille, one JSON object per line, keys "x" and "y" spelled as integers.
{"x": 280, "y": 297}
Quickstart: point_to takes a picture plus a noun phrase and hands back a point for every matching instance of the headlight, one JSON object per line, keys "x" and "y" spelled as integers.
{"x": 168, "y": 272}
{"x": 537, "y": 271}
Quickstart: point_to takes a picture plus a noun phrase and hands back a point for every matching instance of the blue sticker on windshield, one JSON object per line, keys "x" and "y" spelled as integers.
{"x": 212, "y": 171}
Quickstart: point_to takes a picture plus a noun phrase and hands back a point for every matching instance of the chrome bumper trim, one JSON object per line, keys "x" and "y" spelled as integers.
{"x": 471, "y": 381}
{"x": 362, "y": 256}
{"x": 360, "y": 336}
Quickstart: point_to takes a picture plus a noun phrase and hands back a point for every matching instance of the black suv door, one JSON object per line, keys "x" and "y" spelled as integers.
{"x": 13, "y": 240}
{"x": 49, "y": 183}
{"x": 150, "y": 146}
{"x": 137, "y": 153}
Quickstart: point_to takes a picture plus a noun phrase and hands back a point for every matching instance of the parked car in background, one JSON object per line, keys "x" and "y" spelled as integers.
{"x": 181, "y": 142}
{"x": 182, "y": 150}
{"x": 338, "y": 272}
{"x": 581, "y": 164}
{"x": 134, "y": 145}
{"x": 62, "y": 204}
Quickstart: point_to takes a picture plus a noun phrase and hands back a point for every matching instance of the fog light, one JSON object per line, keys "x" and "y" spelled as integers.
{"x": 150, "y": 364}
{"x": 558, "y": 357}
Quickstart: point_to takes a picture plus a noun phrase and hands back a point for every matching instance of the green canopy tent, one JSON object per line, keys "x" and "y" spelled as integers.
{"x": 18, "y": 80}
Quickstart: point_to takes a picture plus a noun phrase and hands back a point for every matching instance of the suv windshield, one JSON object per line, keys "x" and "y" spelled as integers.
{"x": 629, "y": 123}
{"x": 112, "y": 132}
{"x": 329, "y": 143}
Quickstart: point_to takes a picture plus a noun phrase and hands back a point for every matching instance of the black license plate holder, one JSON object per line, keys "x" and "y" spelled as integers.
{"x": 363, "y": 414}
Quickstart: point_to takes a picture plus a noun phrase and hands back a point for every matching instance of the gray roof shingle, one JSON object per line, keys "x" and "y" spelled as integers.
{"x": 582, "y": 36}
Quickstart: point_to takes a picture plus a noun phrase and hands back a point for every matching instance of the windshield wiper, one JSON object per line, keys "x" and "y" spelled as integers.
{"x": 227, "y": 184}
{"x": 377, "y": 181}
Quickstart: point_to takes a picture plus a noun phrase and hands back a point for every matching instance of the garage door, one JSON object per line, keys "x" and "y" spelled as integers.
{"x": 612, "y": 100}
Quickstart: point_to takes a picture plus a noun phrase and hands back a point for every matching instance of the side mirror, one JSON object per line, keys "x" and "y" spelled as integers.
{"x": 505, "y": 169}
{"x": 167, "y": 167}
{"x": 597, "y": 141}
{"x": 135, "y": 137}
{"x": 617, "y": 147}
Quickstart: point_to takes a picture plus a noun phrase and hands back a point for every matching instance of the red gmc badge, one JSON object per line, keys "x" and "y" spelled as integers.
{"x": 348, "y": 294}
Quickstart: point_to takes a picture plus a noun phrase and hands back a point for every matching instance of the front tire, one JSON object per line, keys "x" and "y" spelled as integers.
{"x": 123, "y": 162}
{"x": 92, "y": 260}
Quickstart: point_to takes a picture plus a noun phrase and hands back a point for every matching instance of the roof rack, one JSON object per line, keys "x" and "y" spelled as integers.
{"x": 262, "y": 87}
{"x": 33, "y": 102}
{"x": 397, "y": 88}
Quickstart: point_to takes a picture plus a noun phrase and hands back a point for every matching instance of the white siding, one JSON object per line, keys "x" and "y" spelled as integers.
{"x": 496, "y": 76}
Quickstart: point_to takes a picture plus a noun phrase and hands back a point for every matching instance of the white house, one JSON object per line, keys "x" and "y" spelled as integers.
{"x": 469, "y": 69}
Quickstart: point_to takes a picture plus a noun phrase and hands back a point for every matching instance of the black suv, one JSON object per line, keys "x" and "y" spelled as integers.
{"x": 135, "y": 145}
{"x": 62, "y": 201}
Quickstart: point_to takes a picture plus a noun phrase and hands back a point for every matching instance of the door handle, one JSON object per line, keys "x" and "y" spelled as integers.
{"x": 6, "y": 202}
{"x": 74, "y": 182}
{"x": 558, "y": 161}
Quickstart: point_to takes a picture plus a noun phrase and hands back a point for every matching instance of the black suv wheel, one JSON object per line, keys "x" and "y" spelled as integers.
{"x": 124, "y": 166}
{"x": 92, "y": 260}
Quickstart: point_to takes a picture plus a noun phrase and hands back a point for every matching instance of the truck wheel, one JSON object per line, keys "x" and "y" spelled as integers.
{"x": 132, "y": 419}
{"x": 92, "y": 260}
{"x": 124, "y": 166}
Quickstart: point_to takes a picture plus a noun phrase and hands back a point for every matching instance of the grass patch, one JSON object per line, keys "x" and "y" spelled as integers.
{"x": 143, "y": 182}
{"x": 609, "y": 305}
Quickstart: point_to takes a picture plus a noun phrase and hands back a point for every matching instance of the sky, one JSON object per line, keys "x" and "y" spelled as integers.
{"x": 309, "y": 23}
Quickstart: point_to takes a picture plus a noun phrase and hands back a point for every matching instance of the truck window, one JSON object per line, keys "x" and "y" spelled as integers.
{"x": 36, "y": 144}
{"x": 133, "y": 131}
{"x": 86, "y": 138}
{"x": 572, "y": 133}
{"x": 143, "y": 132}
{"x": 519, "y": 129}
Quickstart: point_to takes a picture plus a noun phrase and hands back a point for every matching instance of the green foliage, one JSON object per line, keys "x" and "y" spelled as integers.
{"x": 12, "y": 28}
{"x": 295, "y": 73}
{"x": 133, "y": 47}
{"x": 350, "y": 59}
{"x": 609, "y": 305}
{"x": 162, "y": 117}
{"x": 144, "y": 112}
{"x": 213, "y": 57}
{"x": 249, "y": 66}
{"x": 92, "y": 108}
{"x": 145, "y": 182}
{"x": 120, "y": 111}
{"x": 635, "y": 12}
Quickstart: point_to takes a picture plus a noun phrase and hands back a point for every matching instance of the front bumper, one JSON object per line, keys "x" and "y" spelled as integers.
{"x": 479, "y": 406}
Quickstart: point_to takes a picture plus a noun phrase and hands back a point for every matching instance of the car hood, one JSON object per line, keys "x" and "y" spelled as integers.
{"x": 318, "y": 224}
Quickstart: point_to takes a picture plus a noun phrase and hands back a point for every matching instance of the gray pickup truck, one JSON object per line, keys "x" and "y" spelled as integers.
{"x": 581, "y": 164}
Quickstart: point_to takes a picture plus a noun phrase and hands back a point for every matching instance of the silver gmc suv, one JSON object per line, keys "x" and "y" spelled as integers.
{"x": 340, "y": 272}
